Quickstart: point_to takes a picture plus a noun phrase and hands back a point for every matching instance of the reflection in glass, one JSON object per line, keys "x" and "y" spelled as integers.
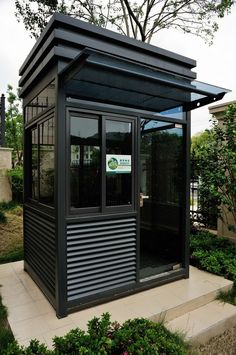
{"x": 162, "y": 186}
{"x": 34, "y": 163}
{"x": 41, "y": 102}
{"x": 84, "y": 162}
{"x": 118, "y": 141}
{"x": 46, "y": 166}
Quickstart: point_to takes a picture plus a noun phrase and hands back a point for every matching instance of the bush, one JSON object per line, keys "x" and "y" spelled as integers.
{"x": 3, "y": 218}
{"x": 138, "y": 336}
{"x": 213, "y": 254}
{"x": 6, "y": 336}
{"x": 141, "y": 336}
{"x": 8, "y": 206}
{"x": 16, "y": 176}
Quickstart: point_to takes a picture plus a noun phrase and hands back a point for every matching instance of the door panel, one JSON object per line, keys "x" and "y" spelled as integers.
{"x": 161, "y": 197}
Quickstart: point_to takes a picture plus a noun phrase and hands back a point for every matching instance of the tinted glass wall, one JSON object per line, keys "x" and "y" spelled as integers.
{"x": 85, "y": 171}
{"x": 161, "y": 196}
{"x": 41, "y": 141}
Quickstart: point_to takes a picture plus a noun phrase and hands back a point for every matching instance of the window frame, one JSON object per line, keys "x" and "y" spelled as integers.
{"x": 28, "y": 163}
{"x": 74, "y": 210}
{"x": 102, "y": 117}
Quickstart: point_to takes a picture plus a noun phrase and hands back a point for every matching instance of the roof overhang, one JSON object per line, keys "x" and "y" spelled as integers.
{"x": 99, "y": 76}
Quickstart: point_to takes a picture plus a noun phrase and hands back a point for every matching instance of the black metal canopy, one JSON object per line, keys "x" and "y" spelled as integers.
{"x": 113, "y": 79}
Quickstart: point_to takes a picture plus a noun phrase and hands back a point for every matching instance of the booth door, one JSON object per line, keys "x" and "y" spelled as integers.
{"x": 161, "y": 197}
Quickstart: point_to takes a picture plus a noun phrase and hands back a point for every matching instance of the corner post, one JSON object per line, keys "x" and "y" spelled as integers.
{"x": 60, "y": 200}
{"x": 187, "y": 193}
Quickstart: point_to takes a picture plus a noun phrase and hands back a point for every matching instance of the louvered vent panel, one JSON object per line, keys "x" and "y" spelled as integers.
{"x": 39, "y": 244}
{"x": 101, "y": 256}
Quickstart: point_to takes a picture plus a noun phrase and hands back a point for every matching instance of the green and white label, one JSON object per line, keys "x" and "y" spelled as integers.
{"x": 118, "y": 164}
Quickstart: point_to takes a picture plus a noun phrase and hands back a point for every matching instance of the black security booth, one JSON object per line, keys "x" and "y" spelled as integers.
{"x": 106, "y": 156}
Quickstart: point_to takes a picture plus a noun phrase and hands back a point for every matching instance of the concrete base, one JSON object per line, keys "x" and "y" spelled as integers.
{"x": 31, "y": 315}
{"x": 205, "y": 322}
{"x": 5, "y": 164}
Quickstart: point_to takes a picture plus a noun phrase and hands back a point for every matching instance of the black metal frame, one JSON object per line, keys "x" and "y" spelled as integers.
{"x": 55, "y": 56}
{"x": 64, "y": 213}
{"x": 102, "y": 209}
{"x": 90, "y": 108}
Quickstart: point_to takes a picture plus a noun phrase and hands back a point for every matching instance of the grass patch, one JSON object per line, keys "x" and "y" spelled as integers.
{"x": 11, "y": 233}
{"x": 228, "y": 297}
{"x": 6, "y": 336}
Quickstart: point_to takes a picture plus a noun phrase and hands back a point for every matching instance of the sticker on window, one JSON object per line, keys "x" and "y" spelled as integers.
{"x": 118, "y": 164}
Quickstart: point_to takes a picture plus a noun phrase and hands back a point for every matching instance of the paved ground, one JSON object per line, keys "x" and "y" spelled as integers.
{"x": 31, "y": 315}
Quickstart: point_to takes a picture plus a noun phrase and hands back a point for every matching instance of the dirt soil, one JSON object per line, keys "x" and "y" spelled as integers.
{"x": 11, "y": 232}
{"x": 224, "y": 344}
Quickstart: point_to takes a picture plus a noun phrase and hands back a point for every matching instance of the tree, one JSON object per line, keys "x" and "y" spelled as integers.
{"x": 14, "y": 126}
{"x": 140, "y": 19}
{"x": 215, "y": 161}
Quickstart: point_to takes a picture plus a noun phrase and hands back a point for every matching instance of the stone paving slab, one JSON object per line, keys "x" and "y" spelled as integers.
{"x": 32, "y": 316}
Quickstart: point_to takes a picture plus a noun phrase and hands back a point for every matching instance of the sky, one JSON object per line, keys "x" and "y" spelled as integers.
{"x": 216, "y": 64}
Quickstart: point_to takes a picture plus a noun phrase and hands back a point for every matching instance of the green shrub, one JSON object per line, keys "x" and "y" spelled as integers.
{"x": 34, "y": 348}
{"x": 138, "y": 336}
{"x": 207, "y": 241}
{"x": 3, "y": 218}
{"x": 141, "y": 336}
{"x": 9, "y": 206}
{"x": 12, "y": 255}
{"x": 213, "y": 254}
{"x": 16, "y": 176}
{"x": 6, "y": 336}
{"x": 228, "y": 296}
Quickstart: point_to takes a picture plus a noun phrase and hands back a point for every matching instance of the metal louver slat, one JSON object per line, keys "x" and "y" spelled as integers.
{"x": 89, "y": 265}
{"x": 103, "y": 228}
{"x": 89, "y": 271}
{"x": 39, "y": 247}
{"x": 101, "y": 256}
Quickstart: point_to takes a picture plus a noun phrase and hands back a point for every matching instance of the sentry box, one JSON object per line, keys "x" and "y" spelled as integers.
{"x": 106, "y": 156}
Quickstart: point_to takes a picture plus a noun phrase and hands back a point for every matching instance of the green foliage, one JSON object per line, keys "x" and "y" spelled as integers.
{"x": 3, "y": 311}
{"x": 214, "y": 156}
{"x": 140, "y": 20}
{"x": 3, "y": 218}
{"x": 14, "y": 126}
{"x": 9, "y": 206}
{"x": 13, "y": 255}
{"x": 138, "y": 336}
{"x": 141, "y": 336}
{"x": 229, "y": 296}
{"x": 6, "y": 336}
{"x": 16, "y": 176}
{"x": 34, "y": 348}
{"x": 213, "y": 254}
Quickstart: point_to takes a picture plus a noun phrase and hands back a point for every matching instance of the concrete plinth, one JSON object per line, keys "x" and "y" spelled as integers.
{"x": 5, "y": 164}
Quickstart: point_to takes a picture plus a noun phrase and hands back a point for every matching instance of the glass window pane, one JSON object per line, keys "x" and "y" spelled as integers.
{"x": 46, "y": 166}
{"x": 41, "y": 102}
{"x": 118, "y": 151}
{"x": 34, "y": 163}
{"x": 84, "y": 162}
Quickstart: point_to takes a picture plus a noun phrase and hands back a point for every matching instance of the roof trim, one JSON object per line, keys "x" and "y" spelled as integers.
{"x": 59, "y": 19}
